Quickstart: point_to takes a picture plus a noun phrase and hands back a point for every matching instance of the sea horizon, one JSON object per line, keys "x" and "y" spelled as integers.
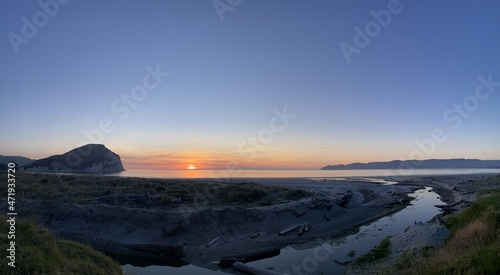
{"x": 296, "y": 173}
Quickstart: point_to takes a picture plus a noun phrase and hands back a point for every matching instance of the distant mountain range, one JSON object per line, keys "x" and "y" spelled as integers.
{"x": 415, "y": 164}
{"x": 90, "y": 158}
{"x": 5, "y": 160}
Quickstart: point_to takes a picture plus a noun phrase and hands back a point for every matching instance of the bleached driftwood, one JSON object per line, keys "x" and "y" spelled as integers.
{"x": 210, "y": 243}
{"x": 288, "y": 230}
{"x": 250, "y": 256}
{"x": 125, "y": 196}
{"x": 159, "y": 250}
{"x": 301, "y": 230}
{"x": 253, "y": 270}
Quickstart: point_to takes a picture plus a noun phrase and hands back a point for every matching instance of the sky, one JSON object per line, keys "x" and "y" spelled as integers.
{"x": 259, "y": 84}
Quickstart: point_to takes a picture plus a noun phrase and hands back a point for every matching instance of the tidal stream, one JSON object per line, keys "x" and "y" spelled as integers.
{"x": 322, "y": 256}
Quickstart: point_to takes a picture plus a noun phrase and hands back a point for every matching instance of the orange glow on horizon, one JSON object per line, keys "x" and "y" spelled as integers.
{"x": 208, "y": 160}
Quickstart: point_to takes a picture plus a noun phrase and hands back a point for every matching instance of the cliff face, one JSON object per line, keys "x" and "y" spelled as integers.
{"x": 90, "y": 158}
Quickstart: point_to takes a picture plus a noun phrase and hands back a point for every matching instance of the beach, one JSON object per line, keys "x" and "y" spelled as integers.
{"x": 204, "y": 232}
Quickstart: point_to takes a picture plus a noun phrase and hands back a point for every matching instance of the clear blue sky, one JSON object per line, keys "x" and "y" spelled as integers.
{"x": 226, "y": 77}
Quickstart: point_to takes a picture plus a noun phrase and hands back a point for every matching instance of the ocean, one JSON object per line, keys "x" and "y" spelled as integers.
{"x": 318, "y": 174}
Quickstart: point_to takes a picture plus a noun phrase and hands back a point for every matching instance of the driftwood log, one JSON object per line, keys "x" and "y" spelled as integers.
{"x": 253, "y": 270}
{"x": 449, "y": 205}
{"x": 325, "y": 217}
{"x": 160, "y": 250}
{"x": 344, "y": 200}
{"x": 126, "y": 196}
{"x": 307, "y": 228}
{"x": 304, "y": 228}
{"x": 210, "y": 243}
{"x": 288, "y": 230}
{"x": 254, "y": 235}
{"x": 250, "y": 256}
{"x": 298, "y": 214}
{"x": 450, "y": 208}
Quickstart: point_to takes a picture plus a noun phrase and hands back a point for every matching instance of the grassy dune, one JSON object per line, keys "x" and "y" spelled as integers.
{"x": 80, "y": 189}
{"x": 39, "y": 252}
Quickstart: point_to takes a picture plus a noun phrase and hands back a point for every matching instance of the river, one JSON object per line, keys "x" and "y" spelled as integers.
{"x": 319, "y": 257}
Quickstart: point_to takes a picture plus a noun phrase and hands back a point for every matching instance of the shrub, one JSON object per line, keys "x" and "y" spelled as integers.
{"x": 160, "y": 188}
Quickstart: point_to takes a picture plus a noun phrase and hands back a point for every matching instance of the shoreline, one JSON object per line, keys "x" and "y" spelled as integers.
{"x": 208, "y": 233}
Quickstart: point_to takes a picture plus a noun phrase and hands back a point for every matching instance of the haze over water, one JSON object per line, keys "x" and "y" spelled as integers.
{"x": 227, "y": 174}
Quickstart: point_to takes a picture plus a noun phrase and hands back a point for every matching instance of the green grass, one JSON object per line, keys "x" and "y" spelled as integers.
{"x": 487, "y": 201}
{"x": 79, "y": 189}
{"x": 39, "y": 252}
{"x": 473, "y": 246}
{"x": 379, "y": 252}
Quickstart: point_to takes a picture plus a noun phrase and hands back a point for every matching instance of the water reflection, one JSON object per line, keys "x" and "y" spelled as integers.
{"x": 227, "y": 174}
{"x": 154, "y": 270}
{"x": 324, "y": 254}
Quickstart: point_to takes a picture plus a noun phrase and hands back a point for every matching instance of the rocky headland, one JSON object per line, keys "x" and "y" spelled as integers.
{"x": 90, "y": 158}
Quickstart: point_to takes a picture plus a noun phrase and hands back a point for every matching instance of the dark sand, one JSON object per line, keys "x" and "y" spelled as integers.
{"x": 334, "y": 207}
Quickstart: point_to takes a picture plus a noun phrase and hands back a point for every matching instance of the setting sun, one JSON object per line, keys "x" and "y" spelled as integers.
{"x": 191, "y": 167}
